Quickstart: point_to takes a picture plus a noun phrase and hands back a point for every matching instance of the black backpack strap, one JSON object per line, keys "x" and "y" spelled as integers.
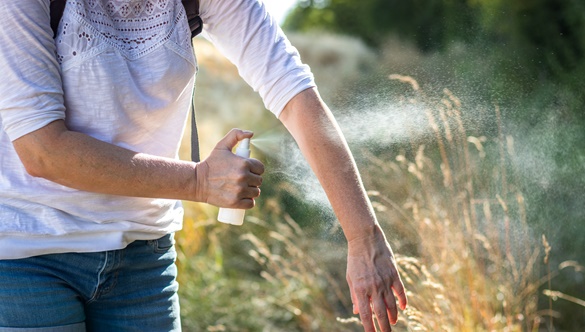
{"x": 196, "y": 25}
{"x": 195, "y": 22}
{"x": 57, "y": 8}
{"x": 195, "y": 155}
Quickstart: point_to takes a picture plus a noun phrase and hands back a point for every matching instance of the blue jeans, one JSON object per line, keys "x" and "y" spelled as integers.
{"x": 132, "y": 289}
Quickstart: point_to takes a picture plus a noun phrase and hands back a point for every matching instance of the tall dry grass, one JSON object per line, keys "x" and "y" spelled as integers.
{"x": 260, "y": 277}
{"x": 474, "y": 263}
{"x": 449, "y": 204}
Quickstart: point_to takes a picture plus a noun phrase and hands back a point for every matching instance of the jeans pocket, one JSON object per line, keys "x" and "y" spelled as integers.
{"x": 164, "y": 244}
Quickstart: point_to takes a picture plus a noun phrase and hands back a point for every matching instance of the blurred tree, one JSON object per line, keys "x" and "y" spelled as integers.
{"x": 430, "y": 23}
{"x": 548, "y": 33}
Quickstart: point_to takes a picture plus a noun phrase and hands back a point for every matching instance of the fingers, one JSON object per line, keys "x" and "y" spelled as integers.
{"x": 373, "y": 278}
{"x": 384, "y": 309}
{"x": 250, "y": 172}
{"x": 248, "y": 188}
{"x": 244, "y": 204}
{"x": 399, "y": 291}
{"x": 365, "y": 312}
{"x": 255, "y": 166}
{"x": 243, "y": 195}
{"x": 382, "y": 313}
{"x": 244, "y": 199}
{"x": 232, "y": 181}
{"x": 250, "y": 192}
{"x": 390, "y": 307}
{"x": 231, "y": 139}
{"x": 254, "y": 180}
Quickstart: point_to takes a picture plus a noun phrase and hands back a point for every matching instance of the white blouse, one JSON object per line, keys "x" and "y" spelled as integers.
{"x": 121, "y": 71}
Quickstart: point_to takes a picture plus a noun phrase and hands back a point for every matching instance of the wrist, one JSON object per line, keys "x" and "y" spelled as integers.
{"x": 369, "y": 236}
{"x": 199, "y": 183}
{"x": 365, "y": 232}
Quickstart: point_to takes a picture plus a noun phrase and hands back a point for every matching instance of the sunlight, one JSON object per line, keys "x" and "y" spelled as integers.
{"x": 279, "y": 8}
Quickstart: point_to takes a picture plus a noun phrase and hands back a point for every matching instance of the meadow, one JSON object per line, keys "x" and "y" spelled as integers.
{"x": 443, "y": 170}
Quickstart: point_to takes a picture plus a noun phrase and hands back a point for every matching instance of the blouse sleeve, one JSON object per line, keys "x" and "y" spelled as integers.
{"x": 31, "y": 93}
{"x": 250, "y": 38}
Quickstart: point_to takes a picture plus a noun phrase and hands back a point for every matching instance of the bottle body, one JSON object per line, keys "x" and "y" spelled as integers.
{"x": 236, "y": 216}
{"x": 231, "y": 216}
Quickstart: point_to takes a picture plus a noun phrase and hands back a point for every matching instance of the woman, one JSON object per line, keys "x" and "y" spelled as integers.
{"x": 90, "y": 185}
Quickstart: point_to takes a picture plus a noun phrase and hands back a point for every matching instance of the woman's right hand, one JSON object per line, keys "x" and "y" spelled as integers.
{"x": 227, "y": 180}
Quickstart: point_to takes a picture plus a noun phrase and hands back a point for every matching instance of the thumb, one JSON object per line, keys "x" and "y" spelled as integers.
{"x": 231, "y": 139}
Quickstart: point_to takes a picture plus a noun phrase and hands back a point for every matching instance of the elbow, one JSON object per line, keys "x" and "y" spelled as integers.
{"x": 36, "y": 151}
{"x": 36, "y": 166}
{"x": 35, "y": 169}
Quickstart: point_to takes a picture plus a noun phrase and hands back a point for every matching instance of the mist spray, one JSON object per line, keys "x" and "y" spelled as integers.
{"x": 236, "y": 216}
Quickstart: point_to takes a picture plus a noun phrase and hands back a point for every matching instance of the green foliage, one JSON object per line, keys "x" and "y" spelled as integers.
{"x": 430, "y": 23}
{"x": 548, "y": 34}
{"x": 343, "y": 16}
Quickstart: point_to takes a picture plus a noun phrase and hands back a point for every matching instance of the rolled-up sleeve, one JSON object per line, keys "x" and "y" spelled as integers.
{"x": 251, "y": 39}
{"x": 31, "y": 92}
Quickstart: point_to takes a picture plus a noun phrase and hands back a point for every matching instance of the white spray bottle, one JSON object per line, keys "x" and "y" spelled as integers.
{"x": 236, "y": 216}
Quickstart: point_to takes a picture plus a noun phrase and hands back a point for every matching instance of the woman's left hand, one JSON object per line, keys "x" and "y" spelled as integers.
{"x": 374, "y": 282}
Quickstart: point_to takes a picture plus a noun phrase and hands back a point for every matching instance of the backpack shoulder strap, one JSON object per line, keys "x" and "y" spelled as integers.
{"x": 195, "y": 22}
{"x": 196, "y": 25}
{"x": 57, "y": 8}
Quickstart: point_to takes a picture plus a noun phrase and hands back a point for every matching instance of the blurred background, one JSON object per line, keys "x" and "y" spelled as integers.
{"x": 467, "y": 121}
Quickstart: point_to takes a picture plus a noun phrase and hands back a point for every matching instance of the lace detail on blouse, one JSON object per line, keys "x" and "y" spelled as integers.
{"x": 133, "y": 27}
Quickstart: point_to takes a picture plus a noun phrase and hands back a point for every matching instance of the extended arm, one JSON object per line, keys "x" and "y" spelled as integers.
{"x": 82, "y": 162}
{"x": 371, "y": 270}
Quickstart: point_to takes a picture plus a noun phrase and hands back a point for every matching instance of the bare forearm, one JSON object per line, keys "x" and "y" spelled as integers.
{"x": 323, "y": 145}
{"x": 372, "y": 275}
{"x": 82, "y": 162}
